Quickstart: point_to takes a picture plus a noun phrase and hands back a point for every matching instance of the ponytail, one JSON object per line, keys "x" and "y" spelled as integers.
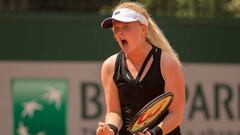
{"x": 156, "y": 37}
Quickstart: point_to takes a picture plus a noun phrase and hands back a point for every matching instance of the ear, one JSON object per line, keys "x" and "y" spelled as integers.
{"x": 145, "y": 29}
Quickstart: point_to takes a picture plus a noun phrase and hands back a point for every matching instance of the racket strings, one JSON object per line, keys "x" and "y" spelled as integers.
{"x": 152, "y": 113}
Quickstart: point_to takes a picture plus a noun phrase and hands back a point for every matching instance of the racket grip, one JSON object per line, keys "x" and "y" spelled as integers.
{"x": 114, "y": 128}
{"x": 156, "y": 131}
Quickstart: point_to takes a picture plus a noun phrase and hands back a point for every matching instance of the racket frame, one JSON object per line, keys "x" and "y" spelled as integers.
{"x": 146, "y": 107}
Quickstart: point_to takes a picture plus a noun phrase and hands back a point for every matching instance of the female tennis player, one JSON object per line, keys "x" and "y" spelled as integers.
{"x": 146, "y": 67}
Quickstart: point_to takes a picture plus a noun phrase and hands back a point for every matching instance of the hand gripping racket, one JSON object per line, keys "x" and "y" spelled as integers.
{"x": 151, "y": 112}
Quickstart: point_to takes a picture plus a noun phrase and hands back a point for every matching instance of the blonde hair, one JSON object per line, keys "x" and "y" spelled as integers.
{"x": 154, "y": 35}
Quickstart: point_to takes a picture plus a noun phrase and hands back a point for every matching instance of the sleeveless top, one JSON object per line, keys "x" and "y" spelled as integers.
{"x": 135, "y": 93}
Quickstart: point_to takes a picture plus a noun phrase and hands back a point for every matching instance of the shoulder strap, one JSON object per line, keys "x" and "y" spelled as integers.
{"x": 144, "y": 64}
{"x": 157, "y": 55}
{"x": 117, "y": 67}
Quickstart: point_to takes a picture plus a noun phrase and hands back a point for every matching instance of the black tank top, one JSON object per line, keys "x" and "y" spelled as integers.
{"x": 134, "y": 94}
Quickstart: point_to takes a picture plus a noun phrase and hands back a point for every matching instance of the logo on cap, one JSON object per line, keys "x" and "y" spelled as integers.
{"x": 116, "y": 13}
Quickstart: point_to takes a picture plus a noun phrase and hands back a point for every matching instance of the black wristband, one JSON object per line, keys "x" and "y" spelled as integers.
{"x": 156, "y": 131}
{"x": 114, "y": 128}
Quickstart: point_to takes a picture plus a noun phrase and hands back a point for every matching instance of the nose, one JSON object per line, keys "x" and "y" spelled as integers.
{"x": 120, "y": 33}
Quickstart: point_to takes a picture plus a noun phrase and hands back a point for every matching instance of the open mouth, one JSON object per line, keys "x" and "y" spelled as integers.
{"x": 124, "y": 42}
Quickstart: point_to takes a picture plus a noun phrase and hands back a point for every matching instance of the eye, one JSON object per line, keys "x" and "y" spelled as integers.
{"x": 116, "y": 29}
{"x": 126, "y": 27}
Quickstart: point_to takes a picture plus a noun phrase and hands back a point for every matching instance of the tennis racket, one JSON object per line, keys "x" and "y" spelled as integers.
{"x": 151, "y": 113}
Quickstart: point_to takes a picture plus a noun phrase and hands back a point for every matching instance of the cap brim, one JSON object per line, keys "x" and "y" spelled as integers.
{"x": 107, "y": 23}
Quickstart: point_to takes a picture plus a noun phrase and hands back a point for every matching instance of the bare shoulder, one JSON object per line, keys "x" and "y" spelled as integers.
{"x": 170, "y": 66}
{"x": 169, "y": 62}
{"x": 109, "y": 64}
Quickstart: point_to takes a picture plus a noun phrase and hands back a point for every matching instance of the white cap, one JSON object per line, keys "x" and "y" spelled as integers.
{"x": 124, "y": 15}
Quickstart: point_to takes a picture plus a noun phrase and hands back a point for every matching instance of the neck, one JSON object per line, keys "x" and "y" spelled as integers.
{"x": 139, "y": 54}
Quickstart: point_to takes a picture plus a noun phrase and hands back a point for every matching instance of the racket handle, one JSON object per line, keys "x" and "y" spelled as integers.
{"x": 156, "y": 131}
{"x": 114, "y": 128}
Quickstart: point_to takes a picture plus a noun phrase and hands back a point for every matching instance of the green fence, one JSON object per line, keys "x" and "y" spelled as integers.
{"x": 78, "y": 37}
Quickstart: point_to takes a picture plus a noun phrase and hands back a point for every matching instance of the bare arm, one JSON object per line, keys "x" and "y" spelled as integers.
{"x": 113, "y": 111}
{"x": 174, "y": 82}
